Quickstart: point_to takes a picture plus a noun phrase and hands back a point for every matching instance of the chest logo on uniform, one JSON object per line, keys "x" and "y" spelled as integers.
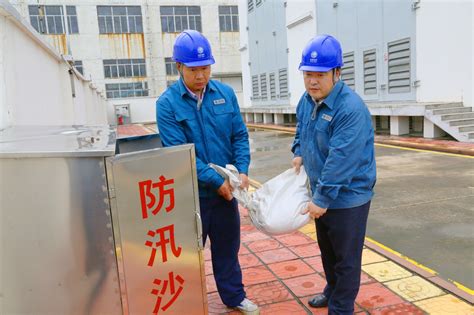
{"x": 219, "y": 101}
{"x": 326, "y": 117}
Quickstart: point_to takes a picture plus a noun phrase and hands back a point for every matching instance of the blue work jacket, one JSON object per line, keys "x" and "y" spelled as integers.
{"x": 337, "y": 146}
{"x": 216, "y": 129}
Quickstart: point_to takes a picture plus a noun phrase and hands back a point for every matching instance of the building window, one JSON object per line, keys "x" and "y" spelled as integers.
{"x": 370, "y": 72}
{"x": 49, "y": 19}
{"x": 124, "y": 68}
{"x": 347, "y": 70}
{"x": 133, "y": 89}
{"x": 120, "y": 19}
{"x": 79, "y": 67}
{"x": 72, "y": 24}
{"x": 170, "y": 67}
{"x": 399, "y": 66}
{"x": 228, "y": 18}
{"x": 283, "y": 83}
{"x": 175, "y": 19}
{"x": 250, "y": 5}
{"x": 255, "y": 91}
{"x": 272, "y": 86}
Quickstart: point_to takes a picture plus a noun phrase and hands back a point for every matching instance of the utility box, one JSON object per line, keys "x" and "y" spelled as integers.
{"x": 84, "y": 230}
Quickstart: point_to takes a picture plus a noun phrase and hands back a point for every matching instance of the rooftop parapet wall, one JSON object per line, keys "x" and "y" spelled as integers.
{"x": 37, "y": 85}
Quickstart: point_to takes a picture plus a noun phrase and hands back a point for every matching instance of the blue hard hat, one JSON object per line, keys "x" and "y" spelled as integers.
{"x": 321, "y": 54}
{"x": 192, "y": 49}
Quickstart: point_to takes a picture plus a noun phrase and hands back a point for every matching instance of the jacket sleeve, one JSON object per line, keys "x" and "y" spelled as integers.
{"x": 172, "y": 133}
{"x": 240, "y": 140}
{"x": 345, "y": 150}
{"x": 295, "y": 148}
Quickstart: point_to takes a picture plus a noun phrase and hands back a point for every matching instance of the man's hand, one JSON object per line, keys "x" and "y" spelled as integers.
{"x": 297, "y": 162}
{"x": 245, "y": 181}
{"x": 314, "y": 211}
{"x": 226, "y": 191}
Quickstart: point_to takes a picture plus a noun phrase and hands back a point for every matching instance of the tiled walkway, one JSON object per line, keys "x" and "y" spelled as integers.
{"x": 280, "y": 274}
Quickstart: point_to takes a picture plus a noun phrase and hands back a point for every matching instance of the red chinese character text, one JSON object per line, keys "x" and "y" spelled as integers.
{"x": 162, "y": 241}
{"x": 145, "y": 192}
{"x": 164, "y": 287}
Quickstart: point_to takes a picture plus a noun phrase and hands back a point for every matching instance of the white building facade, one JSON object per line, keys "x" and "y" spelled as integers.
{"x": 126, "y": 46}
{"x": 411, "y": 61}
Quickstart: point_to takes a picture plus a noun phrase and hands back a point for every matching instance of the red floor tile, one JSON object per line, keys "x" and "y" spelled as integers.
{"x": 364, "y": 278}
{"x": 283, "y": 308}
{"x": 247, "y": 228}
{"x": 276, "y": 255}
{"x": 375, "y": 295}
{"x": 249, "y": 260}
{"x": 208, "y": 267}
{"x": 253, "y": 236}
{"x": 256, "y": 275}
{"x": 268, "y": 293}
{"x": 306, "y": 285}
{"x": 211, "y": 284}
{"x": 263, "y": 245}
{"x": 315, "y": 263}
{"x": 290, "y": 269}
{"x": 306, "y": 250}
{"x": 324, "y": 310}
{"x": 215, "y": 305}
{"x": 405, "y": 309}
{"x": 243, "y": 250}
{"x": 294, "y": 239}
{"x": 207, "y": 254}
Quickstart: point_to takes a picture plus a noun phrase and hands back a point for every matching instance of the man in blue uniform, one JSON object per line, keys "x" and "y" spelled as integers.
{"x": 205, "y": 112}
{"x": 335, "y": 142}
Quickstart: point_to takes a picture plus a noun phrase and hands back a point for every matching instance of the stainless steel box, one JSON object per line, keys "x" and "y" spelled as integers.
{"x": 72, "y": 236}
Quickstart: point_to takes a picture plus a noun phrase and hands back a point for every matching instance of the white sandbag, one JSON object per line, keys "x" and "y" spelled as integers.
{"x": 276, "y": 207}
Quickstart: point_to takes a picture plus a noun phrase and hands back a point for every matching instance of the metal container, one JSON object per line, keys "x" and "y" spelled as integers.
{"x": 72, "y": 234}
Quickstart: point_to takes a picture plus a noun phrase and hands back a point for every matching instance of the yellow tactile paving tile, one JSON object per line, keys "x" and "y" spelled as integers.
{"x": 308, "y": 228}
{"x": 386, "y": 271}
{"x": 445, "y": 305}
{"x": 370, "y": 257}
{"x": 312, "y": 235}
{"x": 414, "y": 288}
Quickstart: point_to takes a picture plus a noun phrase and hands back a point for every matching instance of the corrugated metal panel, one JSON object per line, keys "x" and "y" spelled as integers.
{"x": 263, "y": 86}
{"x": 348, "y": 71}
{"x": 399, "y": 66}
{"x": 272, "y": 86}
{"x": 370, "y": 71}
{"x": 255, "y": 91}
{"x": 283, "y": 82}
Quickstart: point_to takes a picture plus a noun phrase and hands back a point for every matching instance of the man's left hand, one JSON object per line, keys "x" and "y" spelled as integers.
{"x": 314, "y": 211}
{"x": 245, "y": 181}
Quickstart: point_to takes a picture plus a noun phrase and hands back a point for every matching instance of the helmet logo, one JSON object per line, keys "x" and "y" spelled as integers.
{"x": 314, "y": 55}
{"x": 200, "y": 51}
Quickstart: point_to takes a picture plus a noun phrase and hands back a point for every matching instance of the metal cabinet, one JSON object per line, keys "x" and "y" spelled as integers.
{"x": 86, "y": 231}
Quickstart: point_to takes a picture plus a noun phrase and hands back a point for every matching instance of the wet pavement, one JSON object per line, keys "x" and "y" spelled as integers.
{"x": 423, "y": 207}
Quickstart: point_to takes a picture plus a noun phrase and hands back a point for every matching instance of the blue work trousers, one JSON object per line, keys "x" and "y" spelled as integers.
{"x": 341, "y": 234}
{"x": 221, "y": 222}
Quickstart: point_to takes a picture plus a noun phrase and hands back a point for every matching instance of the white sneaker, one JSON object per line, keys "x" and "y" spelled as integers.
{"x": 247, "y": 307}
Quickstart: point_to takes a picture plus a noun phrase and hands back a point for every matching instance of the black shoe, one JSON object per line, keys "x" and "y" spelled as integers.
{"x": 318, "y": 301}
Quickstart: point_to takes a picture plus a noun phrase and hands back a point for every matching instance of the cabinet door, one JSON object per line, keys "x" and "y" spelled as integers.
{"x": 157, "y": 229}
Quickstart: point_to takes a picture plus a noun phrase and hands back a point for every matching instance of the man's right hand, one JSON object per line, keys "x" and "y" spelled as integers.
{"x": 226, "y": 191}
{"x": 297, "y": 162}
